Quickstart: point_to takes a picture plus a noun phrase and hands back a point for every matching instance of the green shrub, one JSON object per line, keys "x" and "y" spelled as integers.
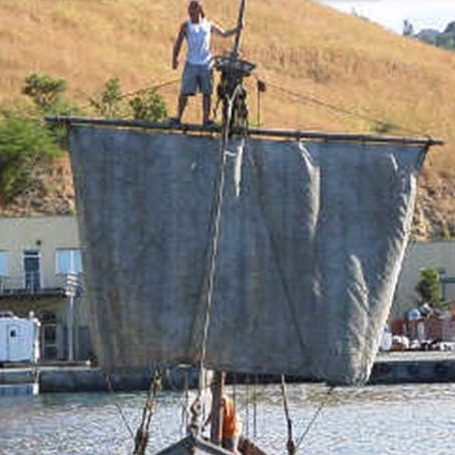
{"x": 429, "y": 287}
{"x": 46, "y": 93}
{"x": 109, "y": 103}
{"x": 23, "y": 141}
{"x": 44, "y": 90}
{"x": 149, "y": 106}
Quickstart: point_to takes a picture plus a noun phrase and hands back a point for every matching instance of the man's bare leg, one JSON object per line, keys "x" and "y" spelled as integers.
{"x": 206, "y": 105}
{"x": 183, "y": 100}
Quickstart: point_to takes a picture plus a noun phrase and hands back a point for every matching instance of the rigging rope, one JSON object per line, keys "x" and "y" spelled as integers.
{"x": 290, "y": 445}
{"x": 247, "y": 405}
{"x": 150, "y": 88}
{"x": 142, "y": 434}
{"x": 119, "y": 409}
{"x": 219, "y": 196}
{"x": 186, "y": 395}
{"x": 261, "y": 87}
{"x": 315, "y": 416}
{"x": 274, "y": 249}
{"x": 340, "y": 110}
{"x": 255, "y": 410}
{"x": 146, "y": 89}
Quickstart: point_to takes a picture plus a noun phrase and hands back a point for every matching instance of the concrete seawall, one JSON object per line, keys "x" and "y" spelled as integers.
{"x": 77, "y": 378}
{"x": 394, "y": 368}
{"x": 413, "y": 367}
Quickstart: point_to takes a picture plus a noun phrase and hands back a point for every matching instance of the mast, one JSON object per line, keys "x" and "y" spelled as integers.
{"x": 217, "y": 409}
{"x": 231, "y": 91}
{"x": 219, "y": 376}
{"x": 240, "y": 22}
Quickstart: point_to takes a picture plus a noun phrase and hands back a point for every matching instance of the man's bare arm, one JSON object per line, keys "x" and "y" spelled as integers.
{"x": 218, "y": 31}
{"x": 178, "y": 45}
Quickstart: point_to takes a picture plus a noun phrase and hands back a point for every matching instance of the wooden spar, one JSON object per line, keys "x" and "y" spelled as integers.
{"x": 278, "y": 133}
{"x": 216, "y": 424}
{"x": 240, "y": 22}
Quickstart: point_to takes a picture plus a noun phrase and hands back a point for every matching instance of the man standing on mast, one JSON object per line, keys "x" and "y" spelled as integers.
{"x": 197, "y": 74}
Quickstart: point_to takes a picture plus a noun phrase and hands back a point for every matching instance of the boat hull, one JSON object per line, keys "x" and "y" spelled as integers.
{"x": 196, "y": 446}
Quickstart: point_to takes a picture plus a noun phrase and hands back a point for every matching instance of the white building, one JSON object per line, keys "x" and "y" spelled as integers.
{"x": 41, "y": 271}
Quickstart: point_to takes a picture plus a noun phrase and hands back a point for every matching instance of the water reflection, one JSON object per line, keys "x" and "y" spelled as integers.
{"x": 414, "y": 419}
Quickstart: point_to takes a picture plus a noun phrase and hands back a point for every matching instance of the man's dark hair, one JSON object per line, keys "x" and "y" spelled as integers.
{"x": 197, "y": 3}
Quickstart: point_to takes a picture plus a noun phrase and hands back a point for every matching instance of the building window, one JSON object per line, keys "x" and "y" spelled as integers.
{"x": 3, "y": 263}
{"x": 32, "y": 270}
{"x": 68, "y": 261}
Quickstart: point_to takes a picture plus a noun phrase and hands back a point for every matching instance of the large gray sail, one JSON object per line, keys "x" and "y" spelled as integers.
{"x": 310, "y": 246}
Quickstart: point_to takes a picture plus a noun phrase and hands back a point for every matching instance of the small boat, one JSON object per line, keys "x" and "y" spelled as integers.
{"x": 239, "y": 249}
{"x": 193, "y": 445}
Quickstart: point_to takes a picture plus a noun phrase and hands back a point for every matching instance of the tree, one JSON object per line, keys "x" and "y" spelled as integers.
{"x": 429, "y": 287}
{"x": 44, "y": 90}
{"x": 46, "y": 93}
{"x": 149, "y": 106}
{"x": 23, "y": 141}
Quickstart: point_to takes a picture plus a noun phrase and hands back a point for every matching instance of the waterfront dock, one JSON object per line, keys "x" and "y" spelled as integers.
{"x": 413, "y": 367}
{"x": 389, "y": 368}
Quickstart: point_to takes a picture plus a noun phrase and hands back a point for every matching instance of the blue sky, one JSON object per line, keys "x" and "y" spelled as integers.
{"x": 391, "y": 13}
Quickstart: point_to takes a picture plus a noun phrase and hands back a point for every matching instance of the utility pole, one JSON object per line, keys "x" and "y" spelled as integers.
{"x": 70, "y": 290}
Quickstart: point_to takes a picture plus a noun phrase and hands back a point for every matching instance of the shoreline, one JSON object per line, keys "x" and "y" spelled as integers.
{"x": 64, "y": 377}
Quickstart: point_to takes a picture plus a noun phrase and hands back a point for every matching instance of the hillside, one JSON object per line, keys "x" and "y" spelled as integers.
{"x": 305, "y": 48}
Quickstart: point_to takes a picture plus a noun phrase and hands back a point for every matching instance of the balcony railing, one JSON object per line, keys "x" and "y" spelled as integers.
{"x": 32, "y": 284}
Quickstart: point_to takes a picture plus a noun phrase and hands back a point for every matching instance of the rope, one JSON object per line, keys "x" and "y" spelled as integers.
{"x": 247, "y": 405}
{"x": 310, "y": 99}
{"x": 119, "y": 409}
{"x": 217, "y": 222}
{"x": 255, "y": 407}
{"x": 142, "y": 434}
{"x": 234, "y": 390}
{"x": 290, "y": 445}
{"x": 214, "y": 249}
{"x": 149, "y": 88}
{"x": 219, "y": 196}
{"x": 185, "y": 406}
{"x": 274, "y": 248}
{"x": 315, "y": 416}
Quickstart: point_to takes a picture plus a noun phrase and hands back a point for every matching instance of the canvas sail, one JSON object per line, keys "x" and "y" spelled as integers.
{"x": 311, "y": 240}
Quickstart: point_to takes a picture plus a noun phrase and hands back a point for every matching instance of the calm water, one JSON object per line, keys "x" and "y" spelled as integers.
{"x": 372, "y": 420}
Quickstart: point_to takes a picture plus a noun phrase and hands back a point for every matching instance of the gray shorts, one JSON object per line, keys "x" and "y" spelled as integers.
{"x": 197, "y": 78}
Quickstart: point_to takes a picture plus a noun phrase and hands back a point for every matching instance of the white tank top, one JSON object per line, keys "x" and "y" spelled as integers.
{"x": 198, "y": 37}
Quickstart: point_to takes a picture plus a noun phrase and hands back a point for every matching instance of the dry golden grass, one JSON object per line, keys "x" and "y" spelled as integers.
{"x": 307, "y": 48}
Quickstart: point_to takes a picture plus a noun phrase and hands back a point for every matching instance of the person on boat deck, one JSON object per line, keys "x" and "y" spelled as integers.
{"x": 231, "y": 426}
{"x": 197, "y": 74}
